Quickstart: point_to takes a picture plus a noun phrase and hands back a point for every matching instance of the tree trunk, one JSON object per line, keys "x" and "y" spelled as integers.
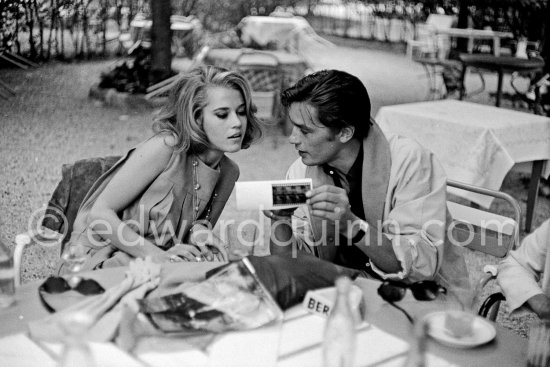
{"x": 104, "y": 25}
{"x": 53, "y": 10}
{"x": 161, "y": 37}
{"x": 463, "y": 14}
{"x": 546, "y": 39}
{"x": 40, "y": 28}
{"x": 30, "y": 24}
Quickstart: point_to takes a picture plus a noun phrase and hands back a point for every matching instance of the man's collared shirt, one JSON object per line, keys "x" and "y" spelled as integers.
{"x": 348, "y": 254}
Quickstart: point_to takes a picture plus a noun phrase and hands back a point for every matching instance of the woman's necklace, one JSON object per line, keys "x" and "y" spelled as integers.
{"x": 196, "y": 187}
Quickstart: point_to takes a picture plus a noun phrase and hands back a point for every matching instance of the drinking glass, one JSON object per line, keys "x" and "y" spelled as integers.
{"x": 538, "y": 347}
{"x": 76, "y": 351}
{"x": 74, "y": 257}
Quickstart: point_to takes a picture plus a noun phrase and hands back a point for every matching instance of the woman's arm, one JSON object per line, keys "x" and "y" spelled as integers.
{"x": 131, "y": 180}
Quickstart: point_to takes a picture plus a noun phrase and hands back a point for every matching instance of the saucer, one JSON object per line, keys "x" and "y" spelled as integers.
{"x": 483, "y": 331}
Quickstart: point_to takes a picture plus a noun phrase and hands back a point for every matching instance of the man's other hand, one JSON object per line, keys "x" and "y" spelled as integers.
{"x": 332, "y": 203}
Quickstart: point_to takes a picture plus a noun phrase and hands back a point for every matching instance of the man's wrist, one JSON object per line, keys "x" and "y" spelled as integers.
{"x": 358, "y": 229}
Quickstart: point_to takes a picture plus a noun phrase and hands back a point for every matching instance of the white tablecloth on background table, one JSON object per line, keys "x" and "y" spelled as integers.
{"x": 292, "y": 33}
{"x": 476, "y": 144}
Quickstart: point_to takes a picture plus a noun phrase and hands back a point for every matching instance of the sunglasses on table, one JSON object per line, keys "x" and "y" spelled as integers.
{"x": 86, "y": 287}
{"x": 392, "y": 291}
{"x": 52, "y": 291}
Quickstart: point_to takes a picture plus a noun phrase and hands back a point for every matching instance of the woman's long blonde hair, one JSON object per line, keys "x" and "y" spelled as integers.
{"x": 182, "y": 113}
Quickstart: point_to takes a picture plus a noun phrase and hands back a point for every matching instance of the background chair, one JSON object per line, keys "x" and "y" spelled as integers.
{"x": 426, "y": 38}
{"x": 488, "y": 233}
{"x": 263, "y": 71}
{"x": 162, "y": 88}
{"x": 57, "y": 223}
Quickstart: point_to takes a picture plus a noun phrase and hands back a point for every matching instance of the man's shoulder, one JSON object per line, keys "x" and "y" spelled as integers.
{"x": 407, "y": 150}
{"x": 297, "y": 169}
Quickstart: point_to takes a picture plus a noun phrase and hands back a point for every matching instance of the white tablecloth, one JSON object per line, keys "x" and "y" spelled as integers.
{"x": 476, "y": 144}
{"x": 291, "y": 33}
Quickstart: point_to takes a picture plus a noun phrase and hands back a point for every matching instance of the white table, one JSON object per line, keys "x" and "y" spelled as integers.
{"x": 289, "y": 33}
{"x": 476, "y": 144}
{"x": 383, "y": 344}
{"x": 473, "y": 34}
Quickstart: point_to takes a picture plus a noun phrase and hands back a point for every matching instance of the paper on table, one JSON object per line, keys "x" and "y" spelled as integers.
{"x": 431, "y": 361}
{"x": 302, "y": 337}
{"x": 251, "y": 348}
{"x": 104, "y": 354}
{"x": 20, "y": 351}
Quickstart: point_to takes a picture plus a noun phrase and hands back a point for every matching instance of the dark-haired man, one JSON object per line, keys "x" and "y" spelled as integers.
{"x": 378, "y": 203}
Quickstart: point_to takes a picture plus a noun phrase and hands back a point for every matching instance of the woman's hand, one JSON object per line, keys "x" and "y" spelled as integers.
{"x": 191, "y": 253}
{"x": 195, "y": 253}
{"x": 164, "y": 257}
{"x": 210, "y": 246}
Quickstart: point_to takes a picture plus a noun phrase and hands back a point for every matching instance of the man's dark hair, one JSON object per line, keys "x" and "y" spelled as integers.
{"x": 340, "y": 99}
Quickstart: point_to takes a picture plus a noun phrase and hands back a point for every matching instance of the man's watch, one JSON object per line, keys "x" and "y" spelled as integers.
{"x": 363, "y": 228}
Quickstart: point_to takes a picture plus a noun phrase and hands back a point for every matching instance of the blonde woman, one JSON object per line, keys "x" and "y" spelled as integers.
{"x": 164, "y": 196}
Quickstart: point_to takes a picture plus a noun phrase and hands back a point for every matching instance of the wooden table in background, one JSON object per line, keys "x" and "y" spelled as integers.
{"x": 498, "y": 64}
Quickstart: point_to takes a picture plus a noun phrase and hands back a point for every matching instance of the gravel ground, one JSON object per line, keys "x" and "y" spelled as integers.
{"x": 52, "y": 121}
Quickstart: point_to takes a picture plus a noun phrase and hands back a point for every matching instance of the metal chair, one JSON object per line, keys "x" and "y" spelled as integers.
{"x": 486, "y": 232}
{"x": 450, "y": 73}
{"x": 5, "y": 90}
{"x": 263, "y": 71}
{"x": 427, "y": 39}
{"x": 162, "y": 88}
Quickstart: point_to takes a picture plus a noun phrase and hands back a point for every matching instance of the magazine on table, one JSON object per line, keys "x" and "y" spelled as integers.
{"x": 230, "y": 298}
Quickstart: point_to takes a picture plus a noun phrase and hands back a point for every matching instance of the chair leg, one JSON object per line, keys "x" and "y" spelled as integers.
{"x": 7, "y": 87}
{"x": 18, "y": 64}
{"x": 489, "y": 308}
{"x": 532, "y": 197}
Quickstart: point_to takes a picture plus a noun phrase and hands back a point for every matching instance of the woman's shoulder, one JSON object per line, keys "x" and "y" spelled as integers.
{"x": 153, "y": 154}
{"x": 229, "y": 167}
{"x": 159, "y": 146}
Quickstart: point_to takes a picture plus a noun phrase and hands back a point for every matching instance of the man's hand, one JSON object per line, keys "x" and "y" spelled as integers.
{"x": 540, "y": 304}
{"x": 332, "y": 203}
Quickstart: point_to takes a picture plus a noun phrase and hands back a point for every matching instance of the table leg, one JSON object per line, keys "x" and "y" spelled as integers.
{"x": 462, "y": 80}
{"x": 470, "y": 45}
{"x": 499, "y": 88}
{"x": 532, "y": 196}
{"x": 496, "y": 46}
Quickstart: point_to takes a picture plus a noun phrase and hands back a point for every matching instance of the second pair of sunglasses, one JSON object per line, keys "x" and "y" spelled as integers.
{"x": 392, "y": 292}
{"x": 426, "y": 290}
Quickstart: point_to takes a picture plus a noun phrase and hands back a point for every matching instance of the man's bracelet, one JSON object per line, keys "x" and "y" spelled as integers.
{"x": 363, "y": 228}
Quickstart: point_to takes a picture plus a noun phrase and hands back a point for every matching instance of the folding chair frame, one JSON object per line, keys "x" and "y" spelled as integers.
{"x": 489, "y": 236}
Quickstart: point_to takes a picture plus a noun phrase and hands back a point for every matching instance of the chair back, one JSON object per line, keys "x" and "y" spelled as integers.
{"x": 486, "y": 232}
{"x": 440, "y": 21}
{"x": 481, "y": 230}
{"x": 264, "y": 73}
{"x": 57, "y": 223}
{"x": 77, "y": 179}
